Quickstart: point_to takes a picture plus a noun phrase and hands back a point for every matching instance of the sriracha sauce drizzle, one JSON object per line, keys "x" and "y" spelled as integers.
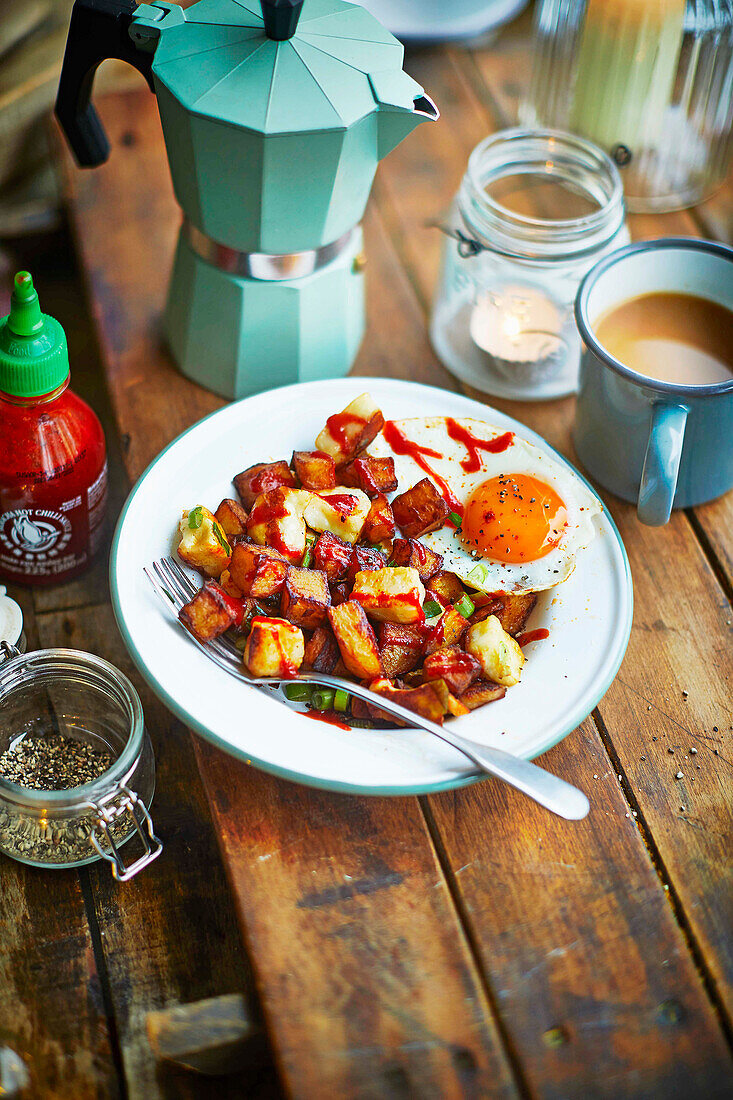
{"x": 401, "y": 445}
{"x": 533, "y": 636}
{"x": 472, "y": 462}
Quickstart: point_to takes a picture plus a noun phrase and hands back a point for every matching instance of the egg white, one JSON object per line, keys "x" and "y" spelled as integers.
{"x": 520, "y": 457}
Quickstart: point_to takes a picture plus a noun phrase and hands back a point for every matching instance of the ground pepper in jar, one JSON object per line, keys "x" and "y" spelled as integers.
{"x": 53, "y": 463}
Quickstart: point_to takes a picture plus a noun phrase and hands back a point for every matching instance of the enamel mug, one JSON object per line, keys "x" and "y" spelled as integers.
{"x": 662, "y": 444}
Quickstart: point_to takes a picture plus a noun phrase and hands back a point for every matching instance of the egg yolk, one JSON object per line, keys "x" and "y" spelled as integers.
{"x": 513, "y": 517}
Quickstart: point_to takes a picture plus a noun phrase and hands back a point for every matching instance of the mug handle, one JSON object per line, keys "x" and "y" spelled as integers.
{"x": 661, "y": 463}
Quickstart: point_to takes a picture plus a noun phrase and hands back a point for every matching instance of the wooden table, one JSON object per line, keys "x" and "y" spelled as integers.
{"x": 463, "y": 944}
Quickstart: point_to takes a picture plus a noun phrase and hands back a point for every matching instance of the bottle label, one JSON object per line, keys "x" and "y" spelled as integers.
{"x": 35, "y": 542}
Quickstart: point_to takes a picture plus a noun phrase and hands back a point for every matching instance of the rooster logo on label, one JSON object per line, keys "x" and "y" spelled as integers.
{"x": 37, "y": 533}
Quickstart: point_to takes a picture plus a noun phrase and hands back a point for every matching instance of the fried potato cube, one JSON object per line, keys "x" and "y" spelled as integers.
{"x": 351, "y": 431}
{"x": 231, "y": 517}
{"x": 456, "y": 668}
{"x": 371, "y": 475}
{"x": 500, "y": 657}
{"x": 315, "y": 470}
{"x": 451, "y": 705}
{"x": 209, "y": 613}
{"x": 379, "y": 524}
{"x": 257, "y": 571}
{"x": 321, "y": 651}
{"x": 518, "y": 606}
{"x": 447, "y": 631}
{"x": 420, "y": 509}
{"x": 305, "y": 598}
{"x": 424, "y": 700}
{"x": 276, "y": 520}
{"x": 365, "y": 557}
{"x": 481, "y": 693}
{"x": 202, "y": 543}
{"x": 390, "y": 595}
{"x": 261, "y": 478}
{"x": 401, "y": 648}
{"x": 226, "y": 582}
{"x": 356, "y": 640}
{"x": 332, "y": 555}
{"x": 415, "y": 554}
{"x": 341, "y": 511}
{"x": 445, "y": 586}
{"x": 340, "y": 593}
{"x": 274, "y": 648}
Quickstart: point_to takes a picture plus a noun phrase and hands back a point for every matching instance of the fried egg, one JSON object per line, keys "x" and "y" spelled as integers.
{"x": 523, "y": 514}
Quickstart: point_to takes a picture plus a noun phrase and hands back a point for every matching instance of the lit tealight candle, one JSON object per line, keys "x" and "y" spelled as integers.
{"x": 517, "y": 324}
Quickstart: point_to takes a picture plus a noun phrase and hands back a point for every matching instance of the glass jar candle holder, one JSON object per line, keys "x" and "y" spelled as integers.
{"x": 535, "y": 210}
{"x": 58, "y": 696}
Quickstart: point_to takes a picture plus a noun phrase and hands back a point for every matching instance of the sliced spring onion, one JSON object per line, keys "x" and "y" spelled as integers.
{"x": 298, "y": 693}
{"x": 196, "y": 517}
{"x": 465, "y": 606}
{"x": 221, "y": 538}
{"x": 322, "y": 698}
{"x": 477, "y": 575}
{"x": 307, "y": 558}
{"x": 240, "y": 642}
{"x": 431, "y": 607}
{"x": 341, "y": 700}
{"x": 455, "y": 519}
{"x": 361, "y": 724}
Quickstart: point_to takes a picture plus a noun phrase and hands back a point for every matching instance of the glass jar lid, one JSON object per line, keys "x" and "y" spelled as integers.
{"x": 574, "y": 185}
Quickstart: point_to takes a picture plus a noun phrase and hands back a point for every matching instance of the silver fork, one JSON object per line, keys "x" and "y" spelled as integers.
{"x": 175, "y": 589}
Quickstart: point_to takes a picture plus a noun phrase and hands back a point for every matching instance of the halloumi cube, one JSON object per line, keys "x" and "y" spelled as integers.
{"x": 341, "y": 511}
{"x": 349, "y": 432}
{"x": 202, "y": 543}
{"x": 276, "y": 520}
{"x": 274, "y": 647}
{"x": 500, "y": 657}
{"x": 390, "y": 595}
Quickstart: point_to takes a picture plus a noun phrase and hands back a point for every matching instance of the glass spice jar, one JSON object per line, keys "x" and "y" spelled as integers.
{"x": 535, "y": 210}
{"x": 63, "y": 716}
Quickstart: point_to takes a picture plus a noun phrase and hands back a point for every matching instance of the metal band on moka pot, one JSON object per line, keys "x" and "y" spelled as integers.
{"x": 264, "y": 265}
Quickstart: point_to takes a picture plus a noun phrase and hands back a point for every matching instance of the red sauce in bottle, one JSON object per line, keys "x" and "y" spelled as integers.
{"x": 53, "y": 466}
{"x": 473, "y": 444}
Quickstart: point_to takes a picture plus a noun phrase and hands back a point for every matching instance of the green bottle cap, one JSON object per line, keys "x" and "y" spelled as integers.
{"x": 34, "y": 359}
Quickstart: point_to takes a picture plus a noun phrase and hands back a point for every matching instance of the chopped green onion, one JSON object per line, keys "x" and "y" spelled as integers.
{"x": 240, "y": 642}
{"x": 221, "y": 538}
{"x": 311, "y": 539}
{"x": 455, "y": 519}
{"x": 477, "y": 575}
{"x": 431, "y": 607}
{"x": 298, "y": 693}
{"x": 465, "y": 605}
{"x": 361, "y": 724}
{"x": 322, "y": 699}
{"x": 307, "y": 558}
{"x": 196, "y": 517}
{"x": 341, "y": 700}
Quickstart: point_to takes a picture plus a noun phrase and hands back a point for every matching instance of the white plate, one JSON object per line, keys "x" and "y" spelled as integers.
{"x": 589, "y": 616}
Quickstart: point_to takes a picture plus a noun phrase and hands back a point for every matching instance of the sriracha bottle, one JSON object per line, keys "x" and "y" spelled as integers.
{"x": 53, "y": 462}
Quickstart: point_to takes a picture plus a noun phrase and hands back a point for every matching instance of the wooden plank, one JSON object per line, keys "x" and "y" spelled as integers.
{"x": 459, "y": 1049}
{"x": 52, "y": 1010}
{"x": 171, "y": 936}
{"x": 674, "y": 586}
{"x": 366, "y": 981}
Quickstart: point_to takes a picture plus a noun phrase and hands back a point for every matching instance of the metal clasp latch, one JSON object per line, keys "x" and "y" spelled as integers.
{"x": 8, "y": 651}
{"x": 111, "y": 809}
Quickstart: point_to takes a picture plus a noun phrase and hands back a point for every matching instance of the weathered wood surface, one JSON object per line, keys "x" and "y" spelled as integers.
{"x": 81, "y": 959}
{"x": 589, "y": 976}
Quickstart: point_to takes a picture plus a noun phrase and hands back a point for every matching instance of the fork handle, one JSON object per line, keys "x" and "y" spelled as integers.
{"x": 551, "y": 792}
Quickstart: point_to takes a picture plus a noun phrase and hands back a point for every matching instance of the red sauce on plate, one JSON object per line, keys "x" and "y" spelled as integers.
{"x": 401, "y": 445}
{"x": 532, "y": 636}
{"x": 325, "y": 716}
{"x": 473, "y": 444}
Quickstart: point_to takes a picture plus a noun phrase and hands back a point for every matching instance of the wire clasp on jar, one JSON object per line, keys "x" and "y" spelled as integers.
{"x": 111, "y": 809}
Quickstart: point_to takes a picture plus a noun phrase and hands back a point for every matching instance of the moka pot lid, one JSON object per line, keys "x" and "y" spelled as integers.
{"x": 219, "y": 61}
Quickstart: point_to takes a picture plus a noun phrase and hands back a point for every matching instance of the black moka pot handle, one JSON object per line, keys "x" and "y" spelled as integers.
{"x": 281, "y": 18}
{"x": 98, "y": 30}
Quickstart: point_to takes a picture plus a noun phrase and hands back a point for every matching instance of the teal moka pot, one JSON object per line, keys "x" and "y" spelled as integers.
{"x": 275, "y": 116}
